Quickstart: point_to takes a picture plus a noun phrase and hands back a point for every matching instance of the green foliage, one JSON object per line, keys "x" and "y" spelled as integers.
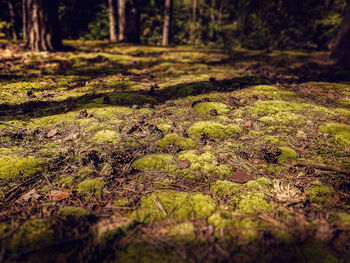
{"x": 99, "y": 28}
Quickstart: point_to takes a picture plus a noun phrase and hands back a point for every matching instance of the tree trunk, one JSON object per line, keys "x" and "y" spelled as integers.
{"x": 212, "y": 35}
{"x": 12, "y": 20}
{"x": 129, "y": 21}
{"x": 25, "y": 21}
{"x": 167, "y": 22}
{"x": 42, "y": 25}
{"x": 341, "y": 51}
{"x": 113, "y": 20}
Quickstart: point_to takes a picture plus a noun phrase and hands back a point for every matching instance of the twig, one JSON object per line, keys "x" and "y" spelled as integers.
{"x": 321, "y": 166}
{"x": 160, "y": 206}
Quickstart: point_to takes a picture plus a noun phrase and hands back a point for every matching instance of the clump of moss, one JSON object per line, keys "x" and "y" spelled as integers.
{"x": 91, "y": 186}
{"x": 183, "y": 232}
{"x": 13, "y": 167}
{"x": 259, "y": 184}
{"x": 86, "y": 172}
{"x": 273, "y": 92}
{"x": 206, "y": 107}
{"x": 31, "y": 234}
{"x": 252, "y": 203}
{"x": 107, "y": 230}
{"x": 287, "y": 154}
{"x": 215, "y": 130}
{"x": 225, "y": 188}
{"x": 175, "y": 139}
{"x": 249, "y": 228}
{"x": 154, "y": 162}
{"x": 205, "y": 162}
{"x": 319, "y": 192}
{"x": 174, "y": 204}
{"x": 283, "y": 236}
{"x": 74, "y": 212}
{"x": 107, "y": 136}
{"x": 220, "y": 220}
{"x": 317, "y": 253}
{"x": 344, "y": 218}
{"x": 339, "y": 132}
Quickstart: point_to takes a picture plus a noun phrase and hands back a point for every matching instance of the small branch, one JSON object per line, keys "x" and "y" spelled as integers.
{"x": 321, "y": 166}
{"x": 160, "y": 206}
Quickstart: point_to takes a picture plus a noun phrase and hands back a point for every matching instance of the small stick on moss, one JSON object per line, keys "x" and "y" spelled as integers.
{"x": 160, "y": 206}
{"x": 321, "y": 166}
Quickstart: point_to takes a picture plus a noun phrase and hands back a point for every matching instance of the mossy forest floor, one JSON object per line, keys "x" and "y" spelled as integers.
{"x": 119, "y": 153}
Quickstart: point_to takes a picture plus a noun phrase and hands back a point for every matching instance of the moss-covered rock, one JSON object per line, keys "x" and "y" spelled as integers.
{"x": 177, "y": 140}
{"x": 91, "y": 186}
{"x": 73, "y": 212}
{"x": 13, "y": 167}
{"x": 206, "y": 107}
{"x": 155, "y": 162}
{"x": 225, "y": 188}
{"x": 339, "y": 132}
{"x": 107, "y": 136}
{"x": 174, "y": 204}
{"x": 287, "y": 154}
{"x": 31, "y": 234}
{"x": 215, "y": 130}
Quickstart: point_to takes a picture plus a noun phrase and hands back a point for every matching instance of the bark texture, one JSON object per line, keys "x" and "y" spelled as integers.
{"x": 341, "y": 51}
{"x": 41, "y": 30}
{"x": 129, "y": 21}
{"x": 113, "y": 35}
{"x": 167, "y": 22}
{"x": 12, "y": 19}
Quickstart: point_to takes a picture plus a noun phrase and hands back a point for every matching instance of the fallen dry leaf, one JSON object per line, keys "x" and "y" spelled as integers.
{"x": 52, "y": 133}
{"x": 57, "y": 195}
{"x": 183, "y": 164}
{"x": 240, "y": 177}
{"x": 31, "y": 195}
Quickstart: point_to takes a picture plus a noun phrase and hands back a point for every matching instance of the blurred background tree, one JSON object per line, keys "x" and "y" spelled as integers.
{"x": 252, "y": 24}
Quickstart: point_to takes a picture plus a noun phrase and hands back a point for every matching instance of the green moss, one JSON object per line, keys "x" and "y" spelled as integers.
{"x": 319, "y": 192}
{"x": 107, "y": 136}
{"x": 225, "y": 188}
{"x": 259, "y": 184}
{"x": 283, "y": 236}
{"x": 249, "y": 228}
{"x": 164, "y": 127}
{"x": 154, "y": 162}
{"x": 339, "y": 132}
{"x": 121, "y": 202}
{"x": 204, "y": 163}
{"x": 175, "y": 139}
{"x": 287, "y": 154}
{"x": 344, "y": 218}
{"x": 108, "y": 230}
{"x": 91, "y": 186}
{"x": 220, "y": 220}
{"x": 206, "y": 107}
{"x": 252, "y": 203}
{"x": 86, "y": 172}
{"x": 13, "y": 167}
{"x": 177, "y": 205}
{"x": 273, "y": 92}
{"x": 31, "y": 234}
{"x": 273, "y": 140}
{"x": 214, "y": 129}
{"x": 183, "y": 232}
{"x": 317, "y": 253}
{"x": 71, "y": 211}
{"x": 344, "y": 112}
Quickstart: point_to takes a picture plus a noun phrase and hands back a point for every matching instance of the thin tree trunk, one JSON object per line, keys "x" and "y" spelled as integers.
{"x": 113, "y": 20}
{"x": 167, "y": 22}
{"x": 42, "y": 25}
{"x": 212, "y": 35}
{"x": 194, "y": 21}
{"x": 341, "y": 51}
{"x": 121, "y": 20}
{"x": 12, "y": 20}
{"x": 25, "y": 21}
